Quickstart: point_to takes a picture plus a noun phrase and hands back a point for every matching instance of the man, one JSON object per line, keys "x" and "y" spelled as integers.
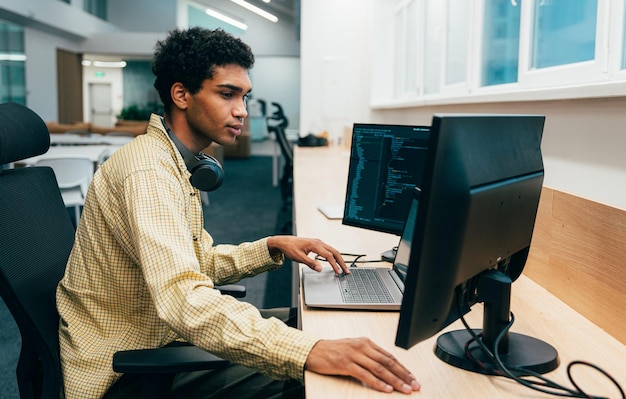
{"x": 143, "y": 269}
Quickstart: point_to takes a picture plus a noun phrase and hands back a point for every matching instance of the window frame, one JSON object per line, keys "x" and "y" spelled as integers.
{"x": 604, "y": 76}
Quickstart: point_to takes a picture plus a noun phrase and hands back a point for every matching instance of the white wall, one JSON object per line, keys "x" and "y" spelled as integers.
{"x": 137, "y": 44}
{"x": 277, "y": 79}
{"x": 41, "y": 71}
{"x": 584, "y": 140}
{"x": 335, "y": 64}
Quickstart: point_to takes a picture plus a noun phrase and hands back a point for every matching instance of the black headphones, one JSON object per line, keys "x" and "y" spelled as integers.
{"x": 206, "y": 172}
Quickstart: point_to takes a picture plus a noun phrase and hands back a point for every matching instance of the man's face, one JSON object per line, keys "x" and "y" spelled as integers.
{"x": 216, "y": 111}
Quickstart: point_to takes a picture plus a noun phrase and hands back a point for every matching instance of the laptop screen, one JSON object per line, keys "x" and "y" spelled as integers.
{"x": 401, "y": 262}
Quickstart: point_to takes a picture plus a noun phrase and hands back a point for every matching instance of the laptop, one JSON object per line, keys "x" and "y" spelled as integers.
{"x": 332, "y": 212}
{"x": 326, "y": 289}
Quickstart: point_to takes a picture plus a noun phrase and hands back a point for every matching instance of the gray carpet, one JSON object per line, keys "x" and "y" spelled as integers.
{"x": 247, "y": 207}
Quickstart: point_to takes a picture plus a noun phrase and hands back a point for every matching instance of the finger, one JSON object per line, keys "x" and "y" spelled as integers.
{"x": 315, "y": 266}
{"x": 311, "y": 263}
{"x": 386, "y": 368}
{"x": 339, "y": 260}
{"x": 337, "y": 267}
{"x": 333, "y": 257}
{"x": 333, "y": 263}
{"x": 368, "y": 378}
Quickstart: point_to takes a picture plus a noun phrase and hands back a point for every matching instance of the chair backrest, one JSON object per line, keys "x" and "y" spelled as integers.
{"x": 277, "y": 123}
{"x": 71, "y": 172}
{"x": 283, "y": 143}
{"x": 36, "y": 237}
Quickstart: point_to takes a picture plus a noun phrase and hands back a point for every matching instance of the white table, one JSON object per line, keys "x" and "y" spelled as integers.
{"x": 98, "y": 153}
{"x": 92, "y": 139}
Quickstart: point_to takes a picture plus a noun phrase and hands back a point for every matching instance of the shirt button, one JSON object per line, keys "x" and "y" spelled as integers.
{"x": 195, "y": 238}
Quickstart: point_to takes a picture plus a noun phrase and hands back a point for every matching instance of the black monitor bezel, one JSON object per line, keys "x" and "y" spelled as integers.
{"x": 430, "y": 290}
{"x": 370, "y": 225}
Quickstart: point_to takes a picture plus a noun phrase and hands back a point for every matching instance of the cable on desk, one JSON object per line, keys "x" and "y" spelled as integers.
{"x": 584, "y": 363}
{"x": 544, "y": 384}
{"x": 353, "y": 262}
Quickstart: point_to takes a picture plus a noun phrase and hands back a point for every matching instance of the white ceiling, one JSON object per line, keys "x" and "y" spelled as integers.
{"x": 281, "y": 8}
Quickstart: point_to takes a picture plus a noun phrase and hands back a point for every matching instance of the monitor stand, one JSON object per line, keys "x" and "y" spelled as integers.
{"x": 389, "y": 255}
{"x": 515, "y": 350}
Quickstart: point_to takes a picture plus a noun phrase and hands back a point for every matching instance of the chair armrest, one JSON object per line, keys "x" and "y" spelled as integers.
{"x": 234, "y": 290}
{"x": 169, "y": 359}
{"x": 173, "y": 359}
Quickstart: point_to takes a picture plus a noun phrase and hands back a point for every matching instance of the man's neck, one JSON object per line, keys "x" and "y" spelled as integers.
{"x": 178, "y": 125}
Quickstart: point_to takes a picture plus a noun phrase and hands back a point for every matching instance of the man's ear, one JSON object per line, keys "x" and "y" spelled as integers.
{"x": 179, "y": 95}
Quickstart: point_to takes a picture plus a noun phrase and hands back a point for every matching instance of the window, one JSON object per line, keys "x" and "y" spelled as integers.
{"x": 623, "y": 66}
{"x": 405, "y": 56}
{"x": 12, "y": 64}
{"x": 447, "y": 41}
{"x": 564, "y": 32}
{"x": 434, "y": 25}
{"x": 500, "y": 56}
{"x": 490, "y": 50}
{"x": 97, "y": 8}
{"x": 457, "y": 41}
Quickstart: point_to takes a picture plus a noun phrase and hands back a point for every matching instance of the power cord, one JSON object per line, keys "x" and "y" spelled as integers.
{"x": 353, "y": 262}
{"x": 544, "y": 384}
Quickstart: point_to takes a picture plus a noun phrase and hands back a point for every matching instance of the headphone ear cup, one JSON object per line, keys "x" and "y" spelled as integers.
{"x": 207, "y": 173}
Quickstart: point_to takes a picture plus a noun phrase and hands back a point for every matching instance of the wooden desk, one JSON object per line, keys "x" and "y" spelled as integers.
{"x": 319, "y": 177}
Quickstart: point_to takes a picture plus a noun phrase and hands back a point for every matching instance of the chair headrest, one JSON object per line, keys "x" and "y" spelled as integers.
{"x": 23, "y": 134}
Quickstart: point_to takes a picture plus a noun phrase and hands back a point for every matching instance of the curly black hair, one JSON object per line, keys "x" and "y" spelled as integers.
{"x": 189, "y": 56}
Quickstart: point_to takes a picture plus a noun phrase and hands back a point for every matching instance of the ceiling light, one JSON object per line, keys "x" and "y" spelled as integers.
{"x": 256, "y": 10}
{"x": 109, "y": 64}
{"x": 12, "y": 57}
{"x": 104, "y": 64}
{"x": 224, "y": 18}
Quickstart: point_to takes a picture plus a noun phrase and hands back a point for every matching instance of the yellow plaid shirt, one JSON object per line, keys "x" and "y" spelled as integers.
{"x": 142, "y": 271}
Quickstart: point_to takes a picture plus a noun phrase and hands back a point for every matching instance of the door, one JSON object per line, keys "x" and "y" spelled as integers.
{"x": 101, "y": 104}
{"x": 70, "y": 87}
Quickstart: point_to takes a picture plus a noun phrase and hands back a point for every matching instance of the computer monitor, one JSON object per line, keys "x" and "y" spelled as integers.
{"x": 474, "y": 218}
{"x": 386, "y": 163}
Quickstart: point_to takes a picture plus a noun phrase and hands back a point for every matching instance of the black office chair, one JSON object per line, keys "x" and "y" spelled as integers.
{"x": 36, "y": 237}
{"x": 277, "y": 123}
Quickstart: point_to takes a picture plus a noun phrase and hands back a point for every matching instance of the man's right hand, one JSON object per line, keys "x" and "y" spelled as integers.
{"x": 364, "y": 360}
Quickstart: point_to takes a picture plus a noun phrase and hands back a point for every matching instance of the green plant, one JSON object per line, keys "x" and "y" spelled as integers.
{"x": 140, "y": 113}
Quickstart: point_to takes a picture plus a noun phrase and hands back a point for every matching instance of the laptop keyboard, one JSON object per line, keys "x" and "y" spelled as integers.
{"x": 363, "y": 286}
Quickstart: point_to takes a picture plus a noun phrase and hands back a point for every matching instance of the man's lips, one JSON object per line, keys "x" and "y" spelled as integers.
{"x": 236, "y": 128}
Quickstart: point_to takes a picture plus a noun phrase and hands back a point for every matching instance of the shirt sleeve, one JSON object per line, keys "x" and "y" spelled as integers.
{"x": 227, "y": 264}
{"x": 180, "y": 271}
